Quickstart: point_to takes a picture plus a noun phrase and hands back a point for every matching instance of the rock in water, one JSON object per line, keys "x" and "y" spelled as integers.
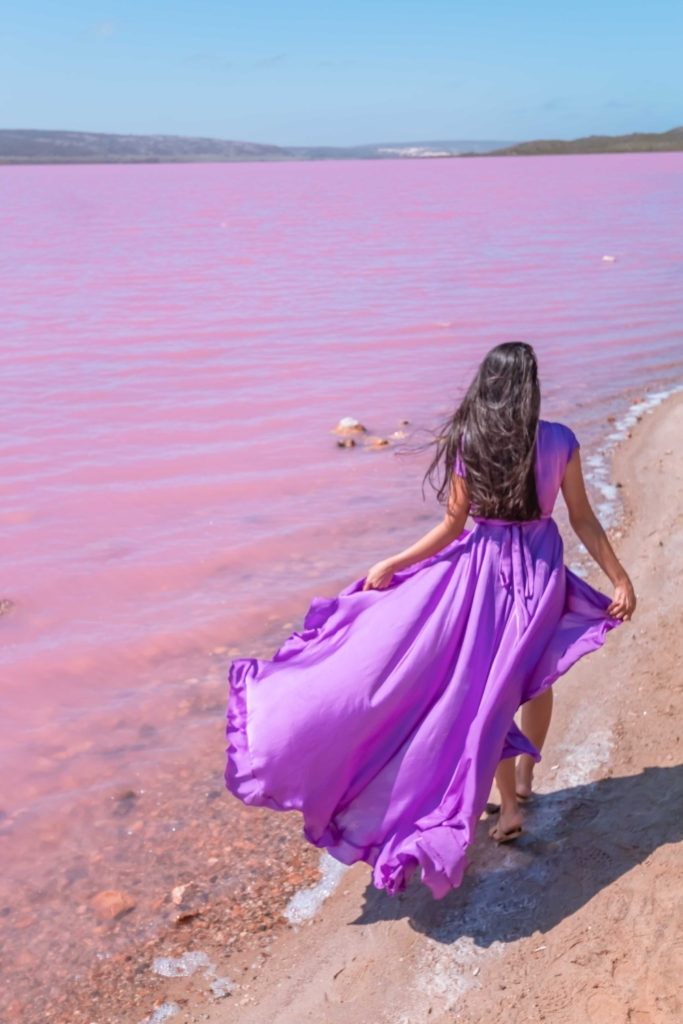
{"x": 349, "y": 425}
{"x": 190, "y": 899}
{"x": 111, "y": 903}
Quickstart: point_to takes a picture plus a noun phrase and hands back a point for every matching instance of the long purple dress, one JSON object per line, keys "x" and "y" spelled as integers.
{"x": 384, "y": 720}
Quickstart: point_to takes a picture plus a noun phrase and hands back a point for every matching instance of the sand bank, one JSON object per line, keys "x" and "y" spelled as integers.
{"x": 574, "y": 923}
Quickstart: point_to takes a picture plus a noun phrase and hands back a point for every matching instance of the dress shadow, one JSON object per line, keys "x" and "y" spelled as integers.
{"x": 577, "y": 841}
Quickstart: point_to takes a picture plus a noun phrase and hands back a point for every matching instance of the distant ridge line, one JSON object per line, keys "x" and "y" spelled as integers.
{"x": 636, "y": 142}
{"x": 29, "y": 146}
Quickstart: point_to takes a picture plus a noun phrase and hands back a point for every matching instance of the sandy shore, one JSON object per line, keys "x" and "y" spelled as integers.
{"x": 574, "y": 923}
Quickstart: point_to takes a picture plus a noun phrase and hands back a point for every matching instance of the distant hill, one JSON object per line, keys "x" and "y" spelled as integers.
{"x": 29, "y": 146}
{"x": 32, "y": 146}
{"x": 638, "y": 142}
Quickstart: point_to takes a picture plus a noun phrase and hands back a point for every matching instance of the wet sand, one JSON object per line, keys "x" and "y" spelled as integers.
{"x": 163, "y": 864}
{"x": 573, "y": 923}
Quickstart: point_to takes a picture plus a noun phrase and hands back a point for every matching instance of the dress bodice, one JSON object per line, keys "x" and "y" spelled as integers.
{"x": 555, "y": 445}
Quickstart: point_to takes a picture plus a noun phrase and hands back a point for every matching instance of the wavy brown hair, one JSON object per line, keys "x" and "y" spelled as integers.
{"x": 493, "y": 431}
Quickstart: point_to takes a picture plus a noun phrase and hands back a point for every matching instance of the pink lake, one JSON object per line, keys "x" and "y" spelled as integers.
{"x": 178, "y": 342}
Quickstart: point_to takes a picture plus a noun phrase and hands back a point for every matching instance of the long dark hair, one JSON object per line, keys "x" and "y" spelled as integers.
{"x": 493, "y": 431}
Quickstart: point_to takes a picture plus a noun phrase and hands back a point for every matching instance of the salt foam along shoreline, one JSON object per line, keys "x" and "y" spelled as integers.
{"x": 582, "y": 759}
{"x": 600, "y": 464}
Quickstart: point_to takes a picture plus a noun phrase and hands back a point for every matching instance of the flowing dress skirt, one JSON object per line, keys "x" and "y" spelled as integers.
{"x": 384, "y": 720}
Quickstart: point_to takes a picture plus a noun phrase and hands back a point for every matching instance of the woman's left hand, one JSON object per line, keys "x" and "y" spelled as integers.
{"x": 379, "y": 576}
{"x": 623, "y": 602}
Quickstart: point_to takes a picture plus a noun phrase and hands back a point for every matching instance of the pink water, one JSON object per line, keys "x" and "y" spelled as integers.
{"x": 178, "y": 342}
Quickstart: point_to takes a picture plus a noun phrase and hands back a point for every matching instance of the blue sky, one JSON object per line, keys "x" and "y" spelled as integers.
{"x": 342, "y": 73}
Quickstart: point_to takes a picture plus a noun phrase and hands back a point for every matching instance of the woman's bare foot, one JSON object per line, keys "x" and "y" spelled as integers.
{"x": 510, "y": 820}
{"x": 510, "y": 824}
{"x": 524, "y": 774}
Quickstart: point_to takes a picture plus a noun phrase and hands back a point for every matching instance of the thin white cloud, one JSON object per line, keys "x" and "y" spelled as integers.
{"x": 103, "y": 29}
{"x": 557, "y": 103}
{"x": 343, "y": 62}
{"x": 270, "y": 62}
{"x": 211, "y": 59}
{"x": 208, "y": 60}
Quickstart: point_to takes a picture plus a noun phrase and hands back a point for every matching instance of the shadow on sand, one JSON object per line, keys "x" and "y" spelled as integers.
{"x": 579, "y": 841}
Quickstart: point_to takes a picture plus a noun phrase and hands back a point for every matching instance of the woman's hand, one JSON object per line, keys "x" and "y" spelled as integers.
{"x": 379, "y": 576}
{"x": 591, "y": 534}
{"x": 623, "y": 602}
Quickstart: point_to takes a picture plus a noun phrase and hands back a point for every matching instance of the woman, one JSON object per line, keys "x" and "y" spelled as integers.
{"x": 386, "y": 719}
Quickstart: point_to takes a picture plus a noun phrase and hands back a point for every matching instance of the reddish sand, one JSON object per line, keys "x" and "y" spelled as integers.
{"x": 577, "y": 921}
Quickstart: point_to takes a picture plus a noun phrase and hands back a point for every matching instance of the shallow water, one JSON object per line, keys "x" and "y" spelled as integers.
{"x": 178, "y": 343}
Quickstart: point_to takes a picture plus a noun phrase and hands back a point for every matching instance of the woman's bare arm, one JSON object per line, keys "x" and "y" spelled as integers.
{"x": 587, "y": 528}
{"x": 448, "y": 529}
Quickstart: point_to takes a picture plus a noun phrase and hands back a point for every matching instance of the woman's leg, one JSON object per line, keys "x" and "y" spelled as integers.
{"x": 510, "y": 821}
{"x": 536, "y": 716}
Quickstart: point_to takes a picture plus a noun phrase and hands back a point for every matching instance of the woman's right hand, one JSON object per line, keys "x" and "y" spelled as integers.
{"x": 379, "y": 576}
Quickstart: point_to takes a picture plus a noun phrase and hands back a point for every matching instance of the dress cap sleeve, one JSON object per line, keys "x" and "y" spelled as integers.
{"x": 571, "y": 441}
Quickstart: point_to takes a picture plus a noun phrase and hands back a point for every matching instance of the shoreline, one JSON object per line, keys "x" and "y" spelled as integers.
{"x": 498, "y": 949}
{"x": 295, "y": 910}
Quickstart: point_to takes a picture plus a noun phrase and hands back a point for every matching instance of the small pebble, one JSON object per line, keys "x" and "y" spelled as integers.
{"x": 110, "y": 904}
